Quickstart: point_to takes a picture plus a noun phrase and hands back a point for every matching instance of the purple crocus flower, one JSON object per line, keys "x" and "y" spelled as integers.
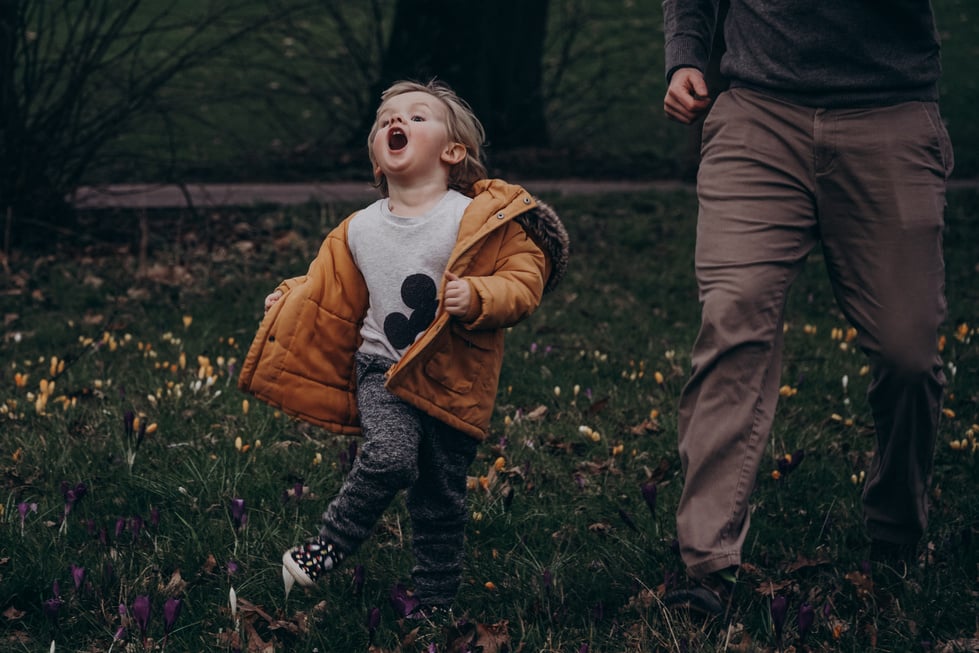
{"x": 373, "y": 621}
{"x": 120, "y": 526}
{"x": 23, "y": 508}
{"x": 547, "y": 580}
{"x": 155, "y": 517}
{"x": 136, "y": 526}
{"x": 779, "y": 609}
{"x": 52, "y": 607}
{"x": 128, "y": 420}
{"x": 238, "y": 512}
{"x": 805, "y": 619}
{"x": 141, "y": 613}
{"x": 78, "y": 575}
{"x": 360, "y": 575}
{"x": 373, "y": 618}
{"x": 649, "y": 496}
{"x": 232, "y": 567}
{"x": 297, "y": 490}
{"x": 72, "y": 496}
{"x": 402, "y": 602}
{"x": 171, "y": 610}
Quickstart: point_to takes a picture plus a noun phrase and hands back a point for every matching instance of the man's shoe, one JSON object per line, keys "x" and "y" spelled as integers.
{"x": 710, "y": 596}
{"x": 307, "y": 563}
{"x": 897, "y": 558}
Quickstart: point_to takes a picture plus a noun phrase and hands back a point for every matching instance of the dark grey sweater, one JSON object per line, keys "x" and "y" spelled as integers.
{"x": 819, "y": 53}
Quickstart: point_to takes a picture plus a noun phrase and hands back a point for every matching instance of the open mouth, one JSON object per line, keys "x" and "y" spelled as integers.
{"x": 397, "y": 140}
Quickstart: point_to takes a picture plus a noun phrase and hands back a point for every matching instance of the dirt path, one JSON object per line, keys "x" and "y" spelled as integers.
{"x": 246, "y": 194}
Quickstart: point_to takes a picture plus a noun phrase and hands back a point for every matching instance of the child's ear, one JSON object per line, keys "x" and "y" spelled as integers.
{"x": 454, "y": 153}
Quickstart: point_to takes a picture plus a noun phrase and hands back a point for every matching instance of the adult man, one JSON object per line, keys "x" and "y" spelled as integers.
{"x": 830, "y": 132}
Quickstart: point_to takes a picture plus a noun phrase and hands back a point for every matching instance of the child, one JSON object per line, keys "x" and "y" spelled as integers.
{"x": 396, "y": 332}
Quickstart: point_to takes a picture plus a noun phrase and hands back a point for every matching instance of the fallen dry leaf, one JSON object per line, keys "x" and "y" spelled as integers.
{"x": 487, "y": 638}
{"x": 13, "y": 613}
{"x": 863, "y": 583}
{"x": 175, "y": 586}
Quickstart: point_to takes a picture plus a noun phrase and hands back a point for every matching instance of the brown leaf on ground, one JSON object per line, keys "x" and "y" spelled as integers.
{"x": 593, "y": 468}
{"x": 958, "y": 646}
{"x": 12, "y": 614}
{"x": 229, "y": 640}
{"x": 175, "y": 586}
{"x": 658, "y": 474}
{"x": 487, "y": 638}
{"x": 209, "y": 565}
{"x": 598, "y": 406}
{"x": 645, "y": 599}
{"x": 862, "y": 583}
{"x": 802, "y": 562}
{"x": 771, "y": 588}
{"x": 645, "y": 427}
{"x": 255, "y": 643}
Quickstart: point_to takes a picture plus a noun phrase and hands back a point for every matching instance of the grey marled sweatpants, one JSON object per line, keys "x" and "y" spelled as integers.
{"x": 405, "y": 449}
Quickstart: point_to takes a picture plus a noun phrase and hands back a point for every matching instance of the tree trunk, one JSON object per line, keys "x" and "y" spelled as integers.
{"x": 488, "y": 52}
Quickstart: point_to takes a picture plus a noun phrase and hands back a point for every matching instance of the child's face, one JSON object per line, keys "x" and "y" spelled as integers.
{"x": 411, "y": 143}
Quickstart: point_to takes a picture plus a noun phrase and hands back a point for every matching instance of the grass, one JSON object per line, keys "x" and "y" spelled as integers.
{"x": 563, "y": 552}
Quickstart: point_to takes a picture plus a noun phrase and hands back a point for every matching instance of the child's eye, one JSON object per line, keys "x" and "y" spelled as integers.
{"x": 384, "y": 123}
{"x": 417, "y": 118}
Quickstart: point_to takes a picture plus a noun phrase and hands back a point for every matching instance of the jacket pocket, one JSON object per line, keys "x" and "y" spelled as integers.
{"x": 462, "y": 358}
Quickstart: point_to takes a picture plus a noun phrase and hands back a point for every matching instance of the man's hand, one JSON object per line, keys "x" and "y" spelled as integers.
{"x": 686, "y": 98}
{"x": 457, "y": 295}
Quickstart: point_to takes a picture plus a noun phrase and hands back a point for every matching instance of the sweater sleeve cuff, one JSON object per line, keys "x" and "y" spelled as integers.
{"x": 685, "y": 52}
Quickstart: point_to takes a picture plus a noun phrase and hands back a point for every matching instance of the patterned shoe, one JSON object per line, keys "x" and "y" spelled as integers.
{"x": 305, "y": 564}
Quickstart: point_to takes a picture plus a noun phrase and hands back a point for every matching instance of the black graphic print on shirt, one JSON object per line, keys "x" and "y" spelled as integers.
{"x": 419, "y": 293}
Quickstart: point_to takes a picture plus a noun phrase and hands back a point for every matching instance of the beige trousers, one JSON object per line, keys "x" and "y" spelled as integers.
{"x": 775, "y": 180}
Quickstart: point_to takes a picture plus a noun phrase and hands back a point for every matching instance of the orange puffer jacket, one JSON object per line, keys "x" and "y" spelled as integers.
{"x": 511, "y": 249}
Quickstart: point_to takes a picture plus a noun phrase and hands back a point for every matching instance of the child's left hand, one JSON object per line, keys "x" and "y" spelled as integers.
{"x": 457, "y": 295}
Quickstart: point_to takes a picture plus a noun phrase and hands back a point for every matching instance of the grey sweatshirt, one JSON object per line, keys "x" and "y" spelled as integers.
{"x": 818, "y": 53}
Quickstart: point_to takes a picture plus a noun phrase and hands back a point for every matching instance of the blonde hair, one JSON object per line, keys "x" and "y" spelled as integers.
{"x": 463, "y": 125}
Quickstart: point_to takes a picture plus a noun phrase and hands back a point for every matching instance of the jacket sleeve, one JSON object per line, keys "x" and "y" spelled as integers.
{"x": 689, "y": 30}
{"x": 515, "y": 288}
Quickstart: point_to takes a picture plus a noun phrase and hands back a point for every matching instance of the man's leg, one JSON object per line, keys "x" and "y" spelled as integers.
{"x": 755, "y": 228}
{"x": 881, "y": 199}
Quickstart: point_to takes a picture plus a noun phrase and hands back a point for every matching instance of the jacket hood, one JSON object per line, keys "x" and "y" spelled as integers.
{"x": 544, "y": 226}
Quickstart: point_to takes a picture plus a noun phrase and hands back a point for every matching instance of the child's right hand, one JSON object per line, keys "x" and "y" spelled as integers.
{"x": 271, "y": 299}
